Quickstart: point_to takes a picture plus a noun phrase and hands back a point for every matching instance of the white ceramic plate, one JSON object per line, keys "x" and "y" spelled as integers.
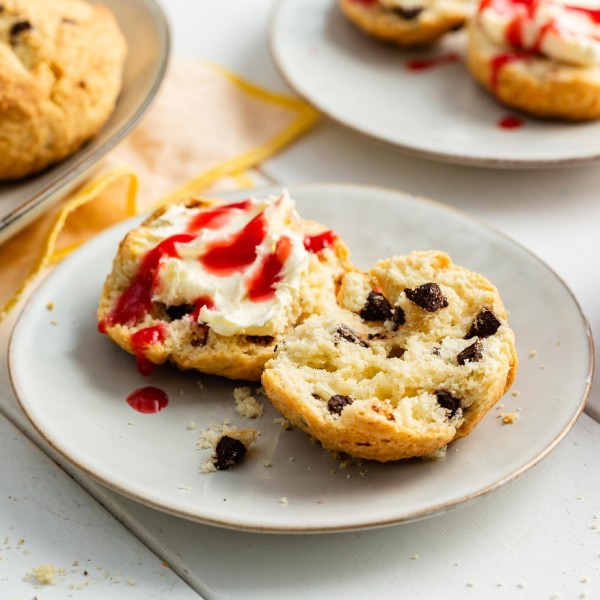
{"x": 147, "y": 35}
{"x": 72, "y": 383}
{"x": 439, "y": 113}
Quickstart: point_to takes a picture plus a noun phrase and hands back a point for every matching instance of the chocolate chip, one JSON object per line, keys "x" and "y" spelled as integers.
{"x": 486, "y": 323}
{"x": 428, "y": 296}
{"x": 377, "y": 308}
{"x": 448, "y": 401}
{"x": 457, "y": 27}
{"x": 20, "y": 27}
{"x": 199, "y": 335}
{"x": 471, "y": 353}
{"x": 409, "y": 13}
{"x": 260, "y": 340}
{"x": 348, "y": 334}
{"x": 337, "y": 403}
{"x": 178, "y": 312}
{"x": 398, "y": 318}
{"x": 376, "y": 336}
{"x": 228, "y": 453}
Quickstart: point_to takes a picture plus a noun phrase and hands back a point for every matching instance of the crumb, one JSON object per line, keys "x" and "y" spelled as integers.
{"x": 585, "y": 580}
{"x": 516, "y": 393}
{"x": 436, "y": 454}
{"x": 415, "y": 557}
{"x": 266, "y": 464}
{"x": 191, "y": 425}
{"x": 210, "y": 436}
{"x": 207, "y": 466}
{"x": 131, "y": 581}
{"x": 542, "y": 366}
{"x": 499, "y": 584}
{"x": 344, "y": 464}
{"x": 184, "y": 488}
{"x": 165, "y": 564}
{"x": 291, "y": 459}
{"x": 499, "y": 406}
{"x": 246, "y": 404}
{"x": 555, "y": 596}
{"x": 533, "y": 353}
{"x": 471, "y": 584}
{"x": 44, "y": 574}
{"x": 20, "y": 542}
{"x": 53, "y": 322}
{"x": 283, "y": 500}
{"x": 260, "y": 391}
{"x": 457, "y": 564}
{"x": 285, "y": 423}
{"x": 200, "y": 384}
{"x": 521, "y": 585}
{"x": 50, "y": 306}
{"x": 510, "y": 418}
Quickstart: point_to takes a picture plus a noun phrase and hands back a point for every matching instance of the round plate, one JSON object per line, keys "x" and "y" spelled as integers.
{"x": 73, "y": 382}
{"x": 438, "y": 113}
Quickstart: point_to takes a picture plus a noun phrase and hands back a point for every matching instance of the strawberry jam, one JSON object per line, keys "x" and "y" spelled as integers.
{"x": 148, "y": 400}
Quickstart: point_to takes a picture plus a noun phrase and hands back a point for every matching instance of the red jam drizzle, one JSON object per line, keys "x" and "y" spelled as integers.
{"x": 217, "y": 217}
{"x": 320, "y": 241}
{"x": 510, "y": 122}
{"x": 148, "y": 400}
{"x": 238, "y": 251}
{"x": 200, "y": 303}
{"x": 136, "y": 300}
{"x": 422, "y": 64}
{"x": 592, "y": 13}
{"x": 261, "y": 286}
{"x": 498, "y": 62}
{"x": 141, "y": 340}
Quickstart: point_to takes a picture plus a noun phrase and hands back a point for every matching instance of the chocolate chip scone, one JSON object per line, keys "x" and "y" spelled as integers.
{"x": 61, "y": 64}
{"x": 540, "y": 57}
{"x": 214, "y": 287}
{"x": 419, "y": 352}
{"x": 407, "y": 22}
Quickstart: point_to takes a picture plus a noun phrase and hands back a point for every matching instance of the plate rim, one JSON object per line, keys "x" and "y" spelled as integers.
{"x": 22, "y": 215}
{"x": 239, "y": 524}
{"x": 443, "y": 157}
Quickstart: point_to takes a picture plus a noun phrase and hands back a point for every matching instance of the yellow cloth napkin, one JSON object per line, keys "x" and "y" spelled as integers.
{"x": 205, "y": 129}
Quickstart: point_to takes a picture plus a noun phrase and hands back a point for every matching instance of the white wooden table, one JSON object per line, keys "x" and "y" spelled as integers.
{"x": 538, "y": 537}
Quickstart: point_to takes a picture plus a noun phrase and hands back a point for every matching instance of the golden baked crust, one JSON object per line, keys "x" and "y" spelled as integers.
{"x": 61, "y": 65}
{"x": 424, "y": 28}
{"x": 190, "y": 345}
{"x": 402, "y": 384}
{"x": 534, "y": 84}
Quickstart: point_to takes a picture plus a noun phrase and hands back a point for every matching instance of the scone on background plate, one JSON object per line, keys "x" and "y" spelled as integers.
{"x": 540, "y": 57}
{"x": 418, "y": 353}
{"x": 407, "y": 22}
{"x": 61, "y": 65}
{"x": 214, "y": 287}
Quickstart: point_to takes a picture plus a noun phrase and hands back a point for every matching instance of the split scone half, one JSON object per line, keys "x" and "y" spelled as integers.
{"x": 417, "y": 355}
{"x": 407, "y": 23}
{"x": 540, "y": 57}
{"x": 214, "y": 287}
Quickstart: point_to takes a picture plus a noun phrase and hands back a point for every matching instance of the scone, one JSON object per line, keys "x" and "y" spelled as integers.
{"x": 419, "y": 352}
{"x": 407, "y": 22}
{"x": 540, "y": 57}
{"x": 61, "y": 64}
{"x": 214, "y": 287}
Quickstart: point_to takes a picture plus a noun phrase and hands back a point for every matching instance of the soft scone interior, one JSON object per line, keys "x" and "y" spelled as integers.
{"x": 407, "y": 382}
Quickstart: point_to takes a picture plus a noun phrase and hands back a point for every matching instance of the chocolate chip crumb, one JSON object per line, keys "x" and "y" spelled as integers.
{"x": 337, "y": 403}
{"x": 20, "y": 27}
{"x": 471, "y": 353}
{"x": 261, "y": 340}
{"x": 178, "y": 312}
{"x": 348, "y": 334}
{"x": 398, "y": 318}
{"x": 396, "y": 352}
{"x": 228, "y": 453}
{"x": 409, "y": 13}
{"x": 486, "y": 323}
{"x": 377, "y": 308}
{"x": 428, "y": 296}
{"x": 448, "y": 401}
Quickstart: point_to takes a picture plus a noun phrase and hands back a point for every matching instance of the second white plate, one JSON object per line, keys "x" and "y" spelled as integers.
{"x": 437, "y": 112}
{"x": 73, "y": 384}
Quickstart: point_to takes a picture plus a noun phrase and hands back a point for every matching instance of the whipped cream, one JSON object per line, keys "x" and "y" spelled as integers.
{"x": 241, "y": 269}
{"x": 567, "y": 32}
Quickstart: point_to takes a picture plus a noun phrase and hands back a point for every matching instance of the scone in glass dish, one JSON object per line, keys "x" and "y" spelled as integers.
{"x": 61, "y": 66}
{"x": 214, "y": 287}
{"x": 418, "y": 352}
{"x": 539, "y": 56}
{"x": 407, "y": 23}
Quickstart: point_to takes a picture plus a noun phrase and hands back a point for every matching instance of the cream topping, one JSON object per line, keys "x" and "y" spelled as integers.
{"x": 567, "y": 32}
{"x": 237, "y": 287}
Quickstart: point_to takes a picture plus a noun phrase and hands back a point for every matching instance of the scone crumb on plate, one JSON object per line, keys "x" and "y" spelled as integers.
{"x": 516, "y": 393}
{"x": 283, "y": 500}
{"x": 436, "y": 454}
{"x": 266, "y": 464}
{"x": 510, "y": 418}
{"x": 286, "y": 424}
{"x": 191, "y": 425}
{"x": 533, "y": 353}
{"x": 131, "y": 581}
{"x": 246, "y": 404}
{"x": 228, "y": 443}
{"x": 44, "y": 574}
{"x": 50, "y": 306}
{"x": 184, "y": 488}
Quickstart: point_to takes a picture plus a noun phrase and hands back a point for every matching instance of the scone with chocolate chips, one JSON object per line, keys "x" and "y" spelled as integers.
{"x": 417, "y": 355}
{"x": 61, "y": 64}
{"x": 214, "y": 287}
{"x": 407, "y": 22}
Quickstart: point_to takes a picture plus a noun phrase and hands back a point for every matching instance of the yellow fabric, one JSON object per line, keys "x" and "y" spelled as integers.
{"x": 206, "y": 128}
